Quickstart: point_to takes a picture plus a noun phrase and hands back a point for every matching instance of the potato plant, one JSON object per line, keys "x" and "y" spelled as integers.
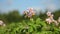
{"x": 30, "y": 27}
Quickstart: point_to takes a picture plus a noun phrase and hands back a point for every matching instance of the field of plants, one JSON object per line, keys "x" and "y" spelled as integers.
{"x": 17, "y": 24}
{"x": 29, "y": 16}
{"x": 30, "y": 27}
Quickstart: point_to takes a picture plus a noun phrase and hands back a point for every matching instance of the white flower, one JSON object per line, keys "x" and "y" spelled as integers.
{"x": 48, "y": 13}
{"x": 1, "y": 22}
{"x": 48, "y": 20}
{"x": 29, "y": 13}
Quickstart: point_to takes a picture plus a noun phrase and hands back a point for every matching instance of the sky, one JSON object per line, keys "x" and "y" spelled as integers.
{"x": 21, "y": 5}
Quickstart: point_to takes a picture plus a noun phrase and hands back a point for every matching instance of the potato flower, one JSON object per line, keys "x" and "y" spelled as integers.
{"x": 48, "y": 13}
{"x": 30, "y": 13}
{"x": 48, "y": 20}
{"x": 2, "y": 23}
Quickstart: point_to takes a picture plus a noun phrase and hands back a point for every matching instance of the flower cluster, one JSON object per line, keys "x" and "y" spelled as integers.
{"x": 29, "y": 13}
{"x": 50, "y": 18}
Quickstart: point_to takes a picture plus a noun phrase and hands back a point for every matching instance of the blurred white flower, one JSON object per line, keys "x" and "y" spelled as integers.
{"x": 1, "y": 22}
{"x": 51, "y": 17}
{"x": 29, "y": 13}
{"x": 59, "y": 19}
{"x": 48, "y": 13}
{"x": 48, "y": 20}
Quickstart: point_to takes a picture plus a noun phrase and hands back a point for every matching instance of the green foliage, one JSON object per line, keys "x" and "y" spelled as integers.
{"x": 17, "y": 24}
{"x": 12, "y": 16}
{"x": 56, "y": 14}
{"x": 30, "y": 27}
